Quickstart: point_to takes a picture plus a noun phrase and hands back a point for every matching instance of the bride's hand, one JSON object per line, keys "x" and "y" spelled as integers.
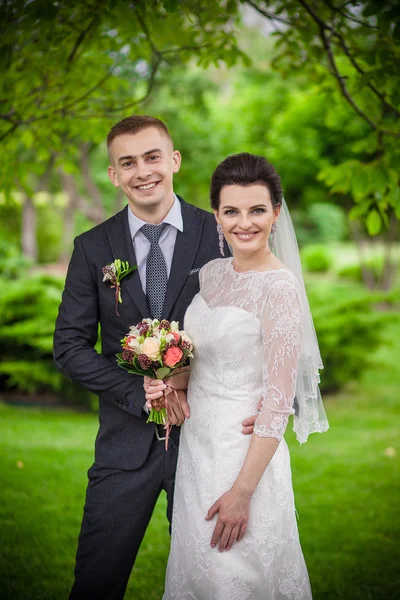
{"x": 233, "y": 510}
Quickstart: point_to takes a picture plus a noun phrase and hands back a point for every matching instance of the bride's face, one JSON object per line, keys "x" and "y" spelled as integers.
{"x": 246, "y": 214}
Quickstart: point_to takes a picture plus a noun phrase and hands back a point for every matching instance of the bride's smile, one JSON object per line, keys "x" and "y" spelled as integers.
{"x": 246, "y": 214}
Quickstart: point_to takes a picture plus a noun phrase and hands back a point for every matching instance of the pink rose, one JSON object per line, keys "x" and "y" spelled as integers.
{"x": 172, "y": 356}
{"x": 176, "y": 336}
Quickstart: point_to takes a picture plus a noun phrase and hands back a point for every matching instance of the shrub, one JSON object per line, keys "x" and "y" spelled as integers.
{"x": 354, "y": 272}
{"x": 12, "y": 262}
{"x": 320, "y": 223}
{"x": 348, "y": 329}
{"x": 316, "y": 258}
{"x": 28, "y": 310}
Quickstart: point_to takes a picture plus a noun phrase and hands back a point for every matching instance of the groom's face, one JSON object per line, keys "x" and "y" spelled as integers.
{"x": 143, "y": 165}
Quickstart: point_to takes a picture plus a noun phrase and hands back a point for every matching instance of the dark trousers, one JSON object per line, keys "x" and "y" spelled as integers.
{"x": 118, "y": 508}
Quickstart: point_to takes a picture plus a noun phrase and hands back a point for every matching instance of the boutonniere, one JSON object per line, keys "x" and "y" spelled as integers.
{"x": 114, "y": 273}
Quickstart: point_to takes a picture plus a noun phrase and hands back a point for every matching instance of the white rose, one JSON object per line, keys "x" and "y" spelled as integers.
{"x": 174, "y": 326}
{"x": 151, "y": 347}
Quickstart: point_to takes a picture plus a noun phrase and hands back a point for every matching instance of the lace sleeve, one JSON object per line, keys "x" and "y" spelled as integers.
{"x": 202, "y": 276}
{"x": 281, "y": 329}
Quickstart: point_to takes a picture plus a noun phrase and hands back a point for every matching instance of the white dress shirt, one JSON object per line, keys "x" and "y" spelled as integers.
{"x": 141, "y": 244}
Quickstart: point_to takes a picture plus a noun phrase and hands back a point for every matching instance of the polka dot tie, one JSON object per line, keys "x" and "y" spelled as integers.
{"x": 156, "y": 270}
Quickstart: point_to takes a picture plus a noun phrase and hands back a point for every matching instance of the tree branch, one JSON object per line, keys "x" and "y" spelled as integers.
{"x": 9, "y": 131}
{"x": 267, "y": 13}
{"x": 79, "y": 41}
{"x": 339, "y": 10}
{"x": 323, "y": 27}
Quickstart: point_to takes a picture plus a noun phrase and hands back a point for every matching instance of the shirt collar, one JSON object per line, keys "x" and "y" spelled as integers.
{"x": 174, "y": 218}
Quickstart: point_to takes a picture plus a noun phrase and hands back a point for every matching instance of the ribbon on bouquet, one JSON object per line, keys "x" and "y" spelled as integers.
{"x": 168, "y": 425}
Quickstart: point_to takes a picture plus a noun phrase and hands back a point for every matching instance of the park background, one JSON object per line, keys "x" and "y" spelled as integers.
{"x": 314, "y": 87}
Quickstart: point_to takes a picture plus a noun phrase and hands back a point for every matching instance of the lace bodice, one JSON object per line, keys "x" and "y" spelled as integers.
{"x": 273, "y": 297}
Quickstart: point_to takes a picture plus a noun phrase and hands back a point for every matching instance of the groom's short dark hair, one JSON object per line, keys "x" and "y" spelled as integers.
{"x": 245, "y": 169}
{"x": 134, "y": 124}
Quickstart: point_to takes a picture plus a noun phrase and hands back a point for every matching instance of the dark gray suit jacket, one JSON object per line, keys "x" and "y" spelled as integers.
{"x": 124, "y": 439}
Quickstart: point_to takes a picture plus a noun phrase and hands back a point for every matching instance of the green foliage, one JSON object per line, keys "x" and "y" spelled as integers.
{"x": 28, "y": 309}
{"x": 105, "y": 58}
{"x": 316, "y": 258}
{"x": 350, "y": 520}
{"x": 350, "y": 53}
{"x": 12, "y": 262}
{"x": 50, "y": 227}
{"x": 354, "y": 271}
{"x": 349, "y": 331}
{"x": 320, "y": 223}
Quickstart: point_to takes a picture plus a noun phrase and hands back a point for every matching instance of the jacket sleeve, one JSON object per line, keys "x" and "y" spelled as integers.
{"x": 281, "y": 329}
{"x": 75, "y": 336}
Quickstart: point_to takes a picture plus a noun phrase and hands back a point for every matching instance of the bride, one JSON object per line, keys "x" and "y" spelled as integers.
{"x": 234, "y": 531}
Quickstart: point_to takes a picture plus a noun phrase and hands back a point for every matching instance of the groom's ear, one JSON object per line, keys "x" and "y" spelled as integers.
{"x": 113, "y": 176}
{"x": 177, "y": 161}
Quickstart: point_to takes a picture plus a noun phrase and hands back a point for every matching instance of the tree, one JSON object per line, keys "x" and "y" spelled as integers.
{"x": 351, "y": 51}
{"x": 70, "y": 69}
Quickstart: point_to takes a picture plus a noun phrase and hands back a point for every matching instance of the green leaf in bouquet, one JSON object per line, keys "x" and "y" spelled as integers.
{"x": 163, "y": 372}
{"x": 141, "y": 372}
{"x": 122, "y": 362}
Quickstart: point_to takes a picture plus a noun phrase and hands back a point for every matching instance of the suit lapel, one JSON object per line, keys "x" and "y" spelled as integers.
{"x": 186, "y": 246}
{"x": 121, "y": 245}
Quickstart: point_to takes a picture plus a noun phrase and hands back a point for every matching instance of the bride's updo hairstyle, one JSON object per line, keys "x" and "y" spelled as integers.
{"x": 245, "y": 169}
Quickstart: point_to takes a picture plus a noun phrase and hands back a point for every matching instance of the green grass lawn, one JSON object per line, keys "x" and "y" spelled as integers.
{"x": 346, "y": 485}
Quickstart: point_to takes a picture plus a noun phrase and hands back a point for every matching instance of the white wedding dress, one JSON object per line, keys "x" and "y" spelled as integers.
{"x": 246, "y": 330}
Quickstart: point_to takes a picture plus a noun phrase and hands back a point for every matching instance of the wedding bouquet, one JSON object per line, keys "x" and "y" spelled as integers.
{"x": 157, "y": 349}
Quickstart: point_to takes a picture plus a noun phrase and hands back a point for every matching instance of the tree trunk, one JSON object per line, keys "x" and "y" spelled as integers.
{"x": 71, "y": 192}
{"x": 384, "y": 280}
{"x": 367, "y": 275}
{"x": 97, "y": 209}
{"x": 28, "y": 233}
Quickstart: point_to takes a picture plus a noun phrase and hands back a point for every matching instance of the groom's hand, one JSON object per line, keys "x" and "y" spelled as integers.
{"x": 248, "y": 424}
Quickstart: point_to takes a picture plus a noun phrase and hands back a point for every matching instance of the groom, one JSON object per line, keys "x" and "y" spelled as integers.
{"x": 169, "y": 240}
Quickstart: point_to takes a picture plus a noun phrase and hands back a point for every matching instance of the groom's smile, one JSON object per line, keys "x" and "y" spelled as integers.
{"x": 143, "y": 165}
{"x": 147, "y": 186}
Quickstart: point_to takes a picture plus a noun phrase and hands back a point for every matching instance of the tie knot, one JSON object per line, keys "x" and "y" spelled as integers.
{"x": 153, "y": 232}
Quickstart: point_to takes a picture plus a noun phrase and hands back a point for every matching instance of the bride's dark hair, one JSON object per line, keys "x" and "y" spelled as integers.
{"x": 245, "y": 169}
